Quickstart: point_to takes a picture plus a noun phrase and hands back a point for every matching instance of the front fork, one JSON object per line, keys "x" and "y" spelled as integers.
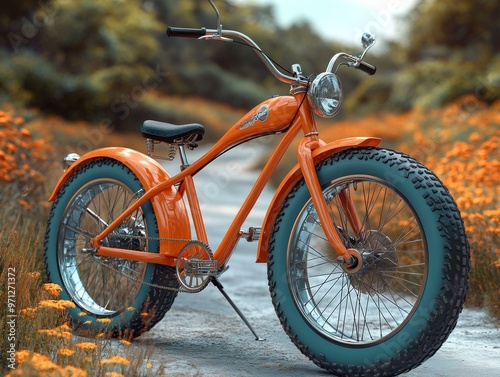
{"x": 350, "y": 259}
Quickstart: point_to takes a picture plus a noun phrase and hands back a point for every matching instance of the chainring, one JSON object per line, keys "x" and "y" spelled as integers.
{"x": 195, "y": 266}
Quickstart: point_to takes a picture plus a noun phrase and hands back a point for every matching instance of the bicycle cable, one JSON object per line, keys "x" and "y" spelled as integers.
{"x": 263, "y": 53}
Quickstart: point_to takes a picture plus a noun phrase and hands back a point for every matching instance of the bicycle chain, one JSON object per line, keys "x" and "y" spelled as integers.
{"x": 180, "y": 289}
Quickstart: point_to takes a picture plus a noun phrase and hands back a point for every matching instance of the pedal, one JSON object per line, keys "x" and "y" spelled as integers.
{"x": 197, "y": 267}
{"x": 253, "y": 234}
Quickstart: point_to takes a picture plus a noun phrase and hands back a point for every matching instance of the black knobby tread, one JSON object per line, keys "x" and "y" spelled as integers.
{"x": 452, "y": 291}
{"x": 159, "y": 300}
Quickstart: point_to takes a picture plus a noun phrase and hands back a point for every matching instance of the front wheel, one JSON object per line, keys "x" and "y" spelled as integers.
{"x": 400, "y": 307}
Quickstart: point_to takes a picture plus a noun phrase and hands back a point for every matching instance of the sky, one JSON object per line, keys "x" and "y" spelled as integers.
{"x": 344, "y": 20}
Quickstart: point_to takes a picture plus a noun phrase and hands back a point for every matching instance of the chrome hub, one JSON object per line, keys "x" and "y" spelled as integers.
{"x": 380, "y": 261}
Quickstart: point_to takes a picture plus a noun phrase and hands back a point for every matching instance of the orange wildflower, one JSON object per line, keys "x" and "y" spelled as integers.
{"x": 114, "y": 374}
{"x": 36, "y": 362}
{"x": 56, "y": 304}
{"x": 475, "y": 136}
{"x": 86, "y": 345}
{"x": 25, "y": 204}
{"x": 103, "y": 320}
{"x": 64, "y": 327}
{"x": 72, "y": 371}
{"x": 58, "y": 332}
{"x": 33, "y": 275}
{"x": 65, "y": 352}
{"x": 29, "y": 312}
{"x": 115, "y": 360}
{"x": 25, "y": 132}
{"x": 52, "y": 288}
{"x": 11, "y": 147}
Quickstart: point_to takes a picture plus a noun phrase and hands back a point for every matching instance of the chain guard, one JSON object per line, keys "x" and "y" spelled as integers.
{"x": 195, "y": 266}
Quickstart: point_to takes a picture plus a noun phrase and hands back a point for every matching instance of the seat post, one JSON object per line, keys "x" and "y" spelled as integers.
{"x": 183, "y": 156}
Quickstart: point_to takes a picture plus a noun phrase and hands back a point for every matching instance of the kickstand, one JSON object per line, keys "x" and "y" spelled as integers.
{"x": 221, "y": 289}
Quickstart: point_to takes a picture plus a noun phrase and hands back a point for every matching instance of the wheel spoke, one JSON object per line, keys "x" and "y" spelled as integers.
{"x": 100, "y": 285}
{"x": 368, "y": 305}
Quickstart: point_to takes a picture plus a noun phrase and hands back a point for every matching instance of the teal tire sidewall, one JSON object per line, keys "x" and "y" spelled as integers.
{"x": 325, "y": 349}
{"x": 94, "y": 171}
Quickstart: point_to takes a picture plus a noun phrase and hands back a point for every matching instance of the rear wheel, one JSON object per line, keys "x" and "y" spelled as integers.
{"x": 112, "y": 295}
{"x": 399, "y": 308}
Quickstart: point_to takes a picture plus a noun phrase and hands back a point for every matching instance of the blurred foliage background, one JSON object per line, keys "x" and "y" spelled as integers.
{"x": 90, "y": 67}
{"x": 94, "y": 59}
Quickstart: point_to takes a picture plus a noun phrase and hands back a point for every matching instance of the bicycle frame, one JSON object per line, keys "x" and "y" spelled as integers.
{"x": 358, "y": 291}
{"x": 287, "y": 115}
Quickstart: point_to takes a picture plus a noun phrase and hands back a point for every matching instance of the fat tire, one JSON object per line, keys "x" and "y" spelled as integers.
{"x": 151, "y": 303}
{"x": 448, "y": 268}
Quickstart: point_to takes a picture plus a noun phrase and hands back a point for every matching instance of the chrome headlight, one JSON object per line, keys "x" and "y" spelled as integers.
{"x": 325, "y": 95}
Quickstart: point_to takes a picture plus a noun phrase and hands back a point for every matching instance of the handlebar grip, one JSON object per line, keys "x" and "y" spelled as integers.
{"x": 186, "y": 32}
{"x": 367, "y": 68}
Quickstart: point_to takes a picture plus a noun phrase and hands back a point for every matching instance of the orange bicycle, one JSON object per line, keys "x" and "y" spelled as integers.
{"x": 367, "y": 255}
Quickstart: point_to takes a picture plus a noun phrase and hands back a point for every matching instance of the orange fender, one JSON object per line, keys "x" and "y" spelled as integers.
{"x": 294, "y": 176}
{"x": 169, "y": 207}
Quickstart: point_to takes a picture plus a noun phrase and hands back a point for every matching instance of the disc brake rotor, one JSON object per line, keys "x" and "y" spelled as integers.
{"x": 380, "y": 261}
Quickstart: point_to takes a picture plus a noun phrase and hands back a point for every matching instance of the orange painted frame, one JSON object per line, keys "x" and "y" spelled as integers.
{"x": 287, "y": 115}
{"x": 281, "y": 112}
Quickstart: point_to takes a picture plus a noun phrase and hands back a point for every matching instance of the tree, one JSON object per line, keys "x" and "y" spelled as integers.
{"x": 82, "y": 58}
{"x": 91, "y": 59}
{"x": 453, "y": 48}
{"x": 453, "y": 25}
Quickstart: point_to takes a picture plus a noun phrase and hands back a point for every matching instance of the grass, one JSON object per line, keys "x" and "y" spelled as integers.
{"x": 38, "y": 325}
{"x": 460, "y": 142}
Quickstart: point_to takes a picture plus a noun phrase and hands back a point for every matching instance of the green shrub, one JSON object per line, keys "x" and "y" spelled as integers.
{"x": 214, "y": 83}
{"x": 431, "y": 83}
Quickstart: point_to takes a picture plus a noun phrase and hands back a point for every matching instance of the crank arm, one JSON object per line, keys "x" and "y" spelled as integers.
{"x": 350, "y": 259}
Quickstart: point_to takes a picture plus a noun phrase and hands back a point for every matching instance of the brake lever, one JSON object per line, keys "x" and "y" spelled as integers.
{"x": 215, "y": 37}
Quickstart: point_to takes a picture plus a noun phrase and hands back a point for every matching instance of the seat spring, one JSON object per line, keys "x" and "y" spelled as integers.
{"x": 172, "y": 151}
{"x": 150, "y": 147}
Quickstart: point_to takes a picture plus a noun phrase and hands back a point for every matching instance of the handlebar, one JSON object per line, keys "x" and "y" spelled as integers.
{"x": 186, "y": 32}
{"x": 229, "y": 35}
{"x": 367, "y": 68}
